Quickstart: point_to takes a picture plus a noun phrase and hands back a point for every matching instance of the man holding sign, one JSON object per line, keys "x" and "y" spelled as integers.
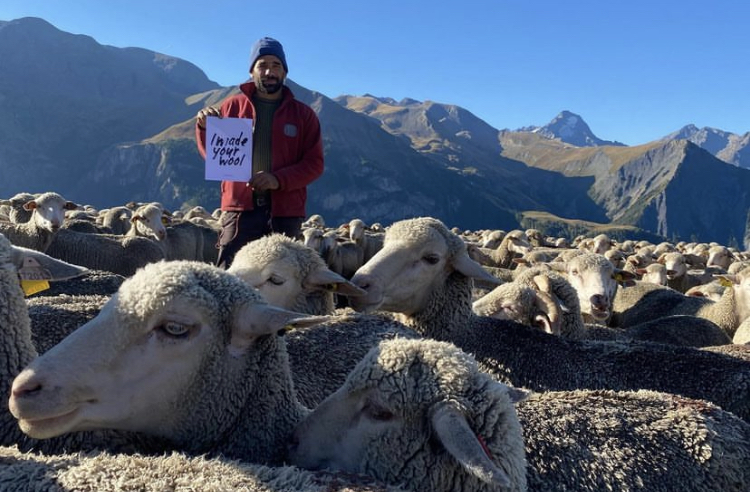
{"x": 286, "y": 151}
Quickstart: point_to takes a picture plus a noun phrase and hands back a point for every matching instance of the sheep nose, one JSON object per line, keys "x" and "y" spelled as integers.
{"x": 599, "y": 301}
{"x": 25, "y": 387}
{"x": 363, "y": 281}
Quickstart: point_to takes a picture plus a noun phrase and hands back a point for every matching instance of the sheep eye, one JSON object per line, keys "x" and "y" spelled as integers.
{"x": 376, "y": 412}
{"x": 174, "y": 329}
{"x": 276, "y": 280}
{"x": 431, "y": 259}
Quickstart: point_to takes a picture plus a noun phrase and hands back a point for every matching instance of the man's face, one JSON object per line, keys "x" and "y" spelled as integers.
{"x": 268, "y": 74}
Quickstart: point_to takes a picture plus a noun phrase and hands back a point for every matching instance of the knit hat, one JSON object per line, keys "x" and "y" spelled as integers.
{"x": 267, "y": 46}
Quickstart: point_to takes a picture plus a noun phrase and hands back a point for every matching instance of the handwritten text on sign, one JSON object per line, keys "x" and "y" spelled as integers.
{"x": 229, "y": 149}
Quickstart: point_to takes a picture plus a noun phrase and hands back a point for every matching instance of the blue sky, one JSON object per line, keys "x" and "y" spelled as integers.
{"x": 635, "y": 71}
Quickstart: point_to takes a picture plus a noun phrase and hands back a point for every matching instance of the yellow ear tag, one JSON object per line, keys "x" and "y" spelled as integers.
{"x": 33, "y": 286}
{"x": 725, "y": 282}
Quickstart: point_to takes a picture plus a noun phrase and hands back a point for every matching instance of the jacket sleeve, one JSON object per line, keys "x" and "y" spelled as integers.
{"x": 200, "y": 139}
{"x": 310, "y": 166}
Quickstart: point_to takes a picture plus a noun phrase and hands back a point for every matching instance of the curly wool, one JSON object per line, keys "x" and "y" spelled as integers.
{"x": 412, "y": 377}
{"x": 644, "y": 440}
{"x": 105, "y": 472}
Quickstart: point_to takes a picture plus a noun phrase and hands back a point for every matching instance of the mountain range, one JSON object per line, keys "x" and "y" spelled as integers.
{"x": 104, "y": 125}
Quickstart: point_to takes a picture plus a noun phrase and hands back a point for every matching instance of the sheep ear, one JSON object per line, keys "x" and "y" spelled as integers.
{"x": 35, "y": 265}
{"x": 449, "y": 423}
{"x": 70, "y": 206}
{"x": 327, "y": 279}
{"x": 465, "y": 265}
{"x": 624, "y": 278}
{"x": 30, "y": 205}
{"x": 254, "y": 319}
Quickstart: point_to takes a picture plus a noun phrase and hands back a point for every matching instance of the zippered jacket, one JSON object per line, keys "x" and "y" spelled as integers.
{"x": 296, "y": 153}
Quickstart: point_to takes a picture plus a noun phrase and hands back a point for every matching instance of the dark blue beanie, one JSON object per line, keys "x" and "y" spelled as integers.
{"x": 267, "y": 46}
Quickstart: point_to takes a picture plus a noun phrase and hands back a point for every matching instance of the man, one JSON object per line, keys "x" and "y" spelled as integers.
{"x": 287, "y": 154}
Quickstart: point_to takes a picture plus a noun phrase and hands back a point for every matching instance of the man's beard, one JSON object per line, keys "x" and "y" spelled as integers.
{"x": 270, "y": 86}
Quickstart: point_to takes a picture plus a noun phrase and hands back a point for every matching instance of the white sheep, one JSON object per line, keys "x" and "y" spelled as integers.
{"x": 176, "y": 472}
{"x": 15, "y": 207}
{"x": 544, "y": 298}
{"x": 290, "y": 275}
{"x": 47, "y": 216}
{"x": 117, "y": 219}
{"x": 646, "y": 302}
{"x": 182, "y": 240}
{"x": 184, "y": 353}
{"x": 148, "y": 221}
{"x": 514, "y": 244}
{"x": 424, "y": 274}
{"x": 122, "y": 255}
{"x": 382, "y": 422}
{"x": 419, "y": 414}
{"x": 370, "y": 242}
{"x": 596, "y": 281}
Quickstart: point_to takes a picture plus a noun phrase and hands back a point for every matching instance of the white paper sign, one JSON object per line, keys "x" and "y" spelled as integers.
{"x": 229, "y": 149}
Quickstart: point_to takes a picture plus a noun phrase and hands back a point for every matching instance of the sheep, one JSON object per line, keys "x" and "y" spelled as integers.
{"x": 342, "y": 256}
{"x": 596, "y": 282}
{"x": 646, "y": 302}
{"x": 544, "y": 298}
{"x": 122, "y": 255}
{"x": 317, "y": 221}
{"x": 91, "y": 282}
{"x": 719, "y": 256}
{"x": 655, "y": 273}
{"x": 419, "y": 414}
{"x": 184, "y": 353}
{"x": 15, "y": 205}
{"x": 117, "y": 219}
{"x": 18, "y": 349}
{"x": 55, "y": 317}
{"x": 423, "y": 274}
{"x": 514, "y": 244}
{"x": 369, "y": 242}
{"x": 147, "y": 221}
{"x": 48, "y": 214}
{"x": 742, "y": 335}
{"x": 596, "y": 440}
{"x": 382, "y": 422}
{"x": 103, "y": 472}
{"x": 290, "y": 275}
{"x": 678, "y": 276}
{"x": 492, "y": 239}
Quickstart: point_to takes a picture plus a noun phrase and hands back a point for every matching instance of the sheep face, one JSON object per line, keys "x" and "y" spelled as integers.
{"x": 168, "y": 352}
{"x": 417, "y": 257}
{"x": 286, "y": 272}
{"x": 675, "y": 264}
{"x": 49, "y": 210}
{"x": 593, "y": 277}
{"x": 417, "y": 413}
{"x": 148, "y": 222}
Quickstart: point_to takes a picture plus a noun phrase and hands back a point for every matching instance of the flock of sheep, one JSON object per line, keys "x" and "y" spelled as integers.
{"x": 411, "y": 357}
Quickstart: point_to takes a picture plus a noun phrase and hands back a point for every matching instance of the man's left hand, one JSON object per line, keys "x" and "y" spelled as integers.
{"x": 263, "y": 182}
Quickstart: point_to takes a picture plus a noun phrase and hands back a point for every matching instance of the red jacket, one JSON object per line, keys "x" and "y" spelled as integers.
{"x": 296, "y": 153}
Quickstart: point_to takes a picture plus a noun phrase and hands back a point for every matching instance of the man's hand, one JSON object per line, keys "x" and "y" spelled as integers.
{"x": 200, "y": 118}
{"x": 263, "y": 181}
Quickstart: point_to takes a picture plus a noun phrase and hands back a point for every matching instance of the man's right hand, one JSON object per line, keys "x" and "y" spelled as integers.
{"x": 200, "y": 118}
